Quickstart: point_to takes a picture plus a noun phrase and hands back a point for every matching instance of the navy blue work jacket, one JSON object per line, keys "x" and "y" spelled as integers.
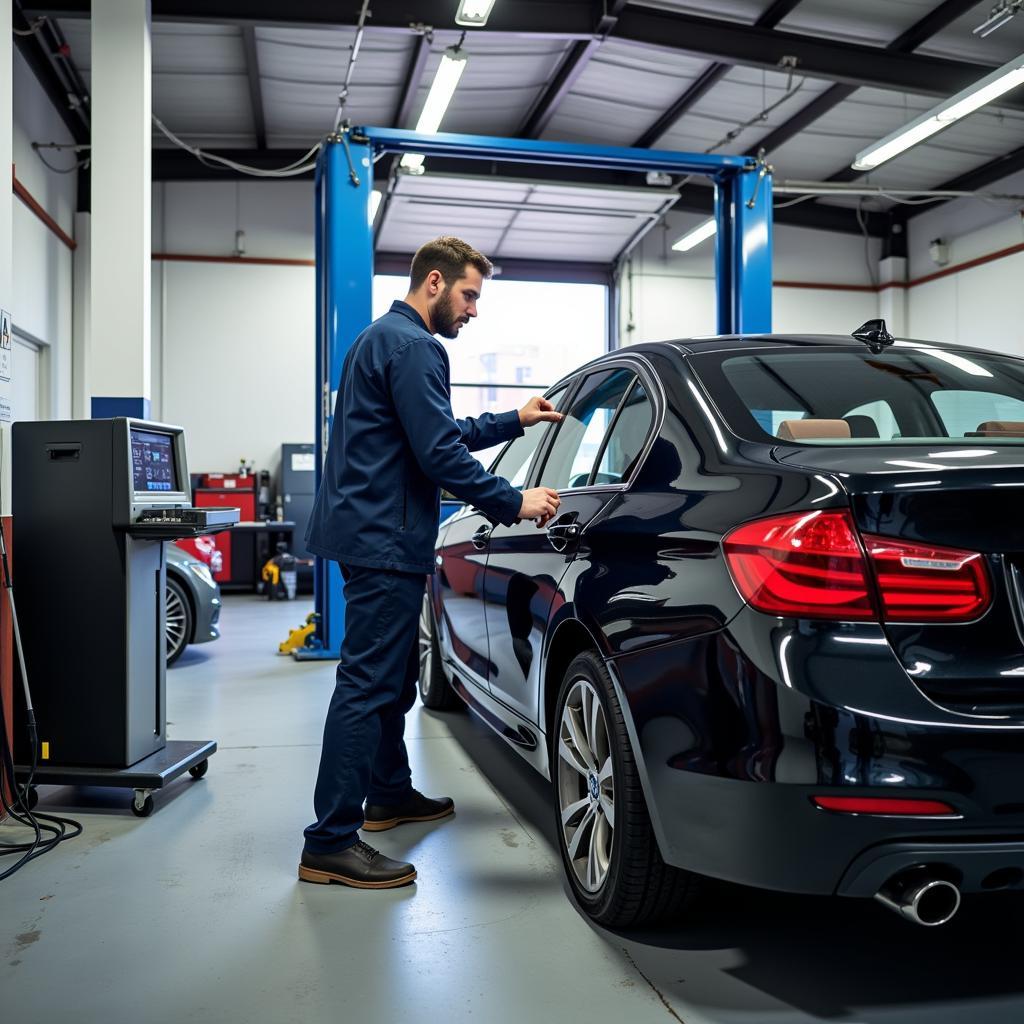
{"x": 393, "y": 444}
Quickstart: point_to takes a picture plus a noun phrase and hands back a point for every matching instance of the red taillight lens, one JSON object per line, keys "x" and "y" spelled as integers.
{"x": 812, "y": 565}
{"x": 921, "y": 583}
{"x": 807, "y": 564}
{"x": 884, "y": 805}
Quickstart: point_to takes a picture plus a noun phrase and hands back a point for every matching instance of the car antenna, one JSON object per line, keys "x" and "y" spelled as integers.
{"x": 875, "y": 335}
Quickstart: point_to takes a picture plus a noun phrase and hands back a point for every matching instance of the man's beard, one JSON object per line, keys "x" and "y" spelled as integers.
{"x": 446, "y": 323}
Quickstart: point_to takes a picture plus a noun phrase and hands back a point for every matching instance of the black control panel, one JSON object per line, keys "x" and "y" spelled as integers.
{"x": 193, "y": 518}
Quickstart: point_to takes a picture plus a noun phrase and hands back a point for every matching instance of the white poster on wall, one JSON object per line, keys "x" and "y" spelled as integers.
{"x": 6, "y": 346}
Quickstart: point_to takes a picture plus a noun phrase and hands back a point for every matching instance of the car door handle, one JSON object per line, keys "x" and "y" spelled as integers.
{"x": 481, "y": 536}
{"x": 564, "y": 531}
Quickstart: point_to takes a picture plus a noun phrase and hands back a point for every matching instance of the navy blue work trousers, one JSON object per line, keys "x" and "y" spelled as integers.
{"x": 364, "y": 755}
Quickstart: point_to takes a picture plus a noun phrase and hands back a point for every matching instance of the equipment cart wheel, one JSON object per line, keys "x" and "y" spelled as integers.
{"x": 142, "y": 803}
{"x": 197, "y": 771}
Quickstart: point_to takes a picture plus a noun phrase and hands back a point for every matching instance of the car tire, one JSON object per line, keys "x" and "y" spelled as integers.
{"x": 178, "y": 620}
{"x": 607, "y": 843}
{"x": 435, "y": 690}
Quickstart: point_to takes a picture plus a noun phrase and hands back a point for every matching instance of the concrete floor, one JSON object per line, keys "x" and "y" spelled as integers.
{"x": 195, "y": 914}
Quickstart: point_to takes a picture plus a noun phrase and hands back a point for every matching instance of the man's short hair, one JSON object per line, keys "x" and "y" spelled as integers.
{"x": 450, "y": 256}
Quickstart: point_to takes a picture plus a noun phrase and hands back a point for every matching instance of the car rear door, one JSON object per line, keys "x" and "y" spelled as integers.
{"x": 608, "y": 421}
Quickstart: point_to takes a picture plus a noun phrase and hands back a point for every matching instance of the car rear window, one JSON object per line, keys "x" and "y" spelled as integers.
{"x": 906, "y": 394}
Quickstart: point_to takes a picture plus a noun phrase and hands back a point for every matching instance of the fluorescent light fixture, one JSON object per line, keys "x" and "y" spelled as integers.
{"x": 947, "y": 113}
{"x": 375, "y": 197}
{"x": 473, "y": 13}
{"x": 699, "y": 234}
{"x": 446, "y": 81}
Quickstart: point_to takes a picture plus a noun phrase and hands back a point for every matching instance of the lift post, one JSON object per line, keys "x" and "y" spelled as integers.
{"x": 344, "y": 260}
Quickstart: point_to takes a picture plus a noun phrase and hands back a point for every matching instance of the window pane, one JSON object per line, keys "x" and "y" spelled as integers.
{"x": 580, "y": 435}
{"x": 474, "y": 401}
{"x": 514, "y": 463}
{"x": 907, "y": 394}
{"x": 527, "y": 332}
{"x": 964, "y": 412}
{"x": 627, "y": 438}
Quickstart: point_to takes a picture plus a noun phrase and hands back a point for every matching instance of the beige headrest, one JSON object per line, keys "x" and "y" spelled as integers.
{"x": 798, "y": 430}
{"x": 1006, "y": 428}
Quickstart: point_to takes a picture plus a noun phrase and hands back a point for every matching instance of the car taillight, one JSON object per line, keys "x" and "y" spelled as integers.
{"x": 807, "y": 564}
{"x": 921, "y": 583}
{"x": 813, "y": 565}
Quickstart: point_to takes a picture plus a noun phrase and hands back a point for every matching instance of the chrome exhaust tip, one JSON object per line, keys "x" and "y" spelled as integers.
{"x": 926, "y": 901}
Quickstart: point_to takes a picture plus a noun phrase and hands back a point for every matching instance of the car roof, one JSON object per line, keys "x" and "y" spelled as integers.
{"x": 748, "y": 342}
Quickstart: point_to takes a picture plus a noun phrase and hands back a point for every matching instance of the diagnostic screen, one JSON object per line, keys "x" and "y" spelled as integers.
{"x": 153, "y": 461}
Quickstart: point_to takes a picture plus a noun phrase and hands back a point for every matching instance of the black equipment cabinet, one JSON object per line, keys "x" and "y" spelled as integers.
{"x": 298, "y": 491}
{"x": 94, "y": 502}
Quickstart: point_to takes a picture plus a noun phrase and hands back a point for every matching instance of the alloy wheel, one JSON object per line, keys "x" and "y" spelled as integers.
{"x": 175, "y": 622}
{"x": 586, "y": 788}
{"x": 426, "y": 642}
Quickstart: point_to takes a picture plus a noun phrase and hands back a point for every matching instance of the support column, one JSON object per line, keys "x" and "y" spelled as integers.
{"x": 6, "y": 303}
{"x": 892, "y": 295}
{"x": 6, "y": 247}
{"x": 119, "y": 334}
{"x": 743, "y": 252}
{"x": 344, "y": 274}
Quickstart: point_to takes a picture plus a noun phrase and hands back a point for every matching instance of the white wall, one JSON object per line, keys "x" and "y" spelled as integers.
{"x": 673, "y": 294}
{"x": 233, "y": 344}
{"x": 983, "y": 305}
{"x": 42, "y": 263}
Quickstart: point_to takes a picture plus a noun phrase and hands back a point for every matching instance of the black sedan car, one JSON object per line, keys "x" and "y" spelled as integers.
{"x": 775, "y": 634}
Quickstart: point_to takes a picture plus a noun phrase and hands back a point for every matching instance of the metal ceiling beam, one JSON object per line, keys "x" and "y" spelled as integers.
{"x": 177, "y": 165}
{"x": 411, "y": 85}
{"x": 252, "y": 67}
{"x": 724, "y": 41}
{"x": 817, "y": 57}
{"x": 978, "y": 178}
{"x": 55, "y": 72}
{"x": 564, "y": 19}
{"x": 569, "y": 71}
{"x": 921, "y": 31}
{"x": 708, "y": 78}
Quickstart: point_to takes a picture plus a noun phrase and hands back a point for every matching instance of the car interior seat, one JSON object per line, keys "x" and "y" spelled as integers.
{"x": 813, "y": 429}
{"x": 862, "y": 426}
{"x": 998, "y": 428}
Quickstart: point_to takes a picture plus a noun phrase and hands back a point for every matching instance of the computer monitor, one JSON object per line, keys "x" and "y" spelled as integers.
{"x": 154, "y": 466}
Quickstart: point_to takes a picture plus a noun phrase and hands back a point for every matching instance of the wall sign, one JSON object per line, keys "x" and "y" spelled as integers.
{"x": 6, "y": 346}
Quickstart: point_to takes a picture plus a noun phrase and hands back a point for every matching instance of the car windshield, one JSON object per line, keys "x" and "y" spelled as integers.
{"x": 909, "y": 393}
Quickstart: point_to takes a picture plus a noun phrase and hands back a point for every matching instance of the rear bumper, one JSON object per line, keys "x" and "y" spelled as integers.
{"x": 978, "y": 866}
{"x": 771, "y": 836}
{"x": 731, "y": 750}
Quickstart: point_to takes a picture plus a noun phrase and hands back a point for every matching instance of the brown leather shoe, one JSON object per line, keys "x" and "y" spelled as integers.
{"x": 417, "y": 808}
{"x": 360, "y": 866}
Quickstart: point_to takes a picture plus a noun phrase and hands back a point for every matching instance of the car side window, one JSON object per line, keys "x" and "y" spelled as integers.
{"x": 578, "y": 441}
{"x": 514, "y": 462}
{"x": 627, "y": 438}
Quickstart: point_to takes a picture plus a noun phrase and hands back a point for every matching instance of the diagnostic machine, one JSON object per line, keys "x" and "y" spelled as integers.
{"x": 94, "y": 503}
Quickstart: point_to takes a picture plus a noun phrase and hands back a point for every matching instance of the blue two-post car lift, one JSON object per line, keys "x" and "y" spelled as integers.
{"x": 344, "y": 260}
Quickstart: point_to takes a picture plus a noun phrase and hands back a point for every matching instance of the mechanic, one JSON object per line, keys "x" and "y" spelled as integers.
{"x": 394, "y": 443}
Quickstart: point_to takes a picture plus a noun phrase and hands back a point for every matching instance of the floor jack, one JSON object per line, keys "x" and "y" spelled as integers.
{"x": 302, "y": 638}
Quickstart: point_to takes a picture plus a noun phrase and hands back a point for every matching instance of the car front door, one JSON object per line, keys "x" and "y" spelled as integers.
{"x": 588, "y": 462}
{"x": 462, "y": 563}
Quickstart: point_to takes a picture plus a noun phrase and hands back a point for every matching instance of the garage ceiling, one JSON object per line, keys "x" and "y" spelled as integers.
{"x": 261, "y": 78}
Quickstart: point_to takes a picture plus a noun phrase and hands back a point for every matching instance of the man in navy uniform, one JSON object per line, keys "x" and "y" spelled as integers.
{"x": 394, "y": 443}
